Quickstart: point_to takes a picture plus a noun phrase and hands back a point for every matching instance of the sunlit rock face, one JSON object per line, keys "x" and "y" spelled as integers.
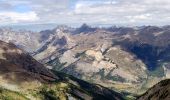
{"x": 27, "y": 40}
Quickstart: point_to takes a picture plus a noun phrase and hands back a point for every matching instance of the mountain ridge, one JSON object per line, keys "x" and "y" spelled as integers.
{"x": 23, "y": 78}
{"x": 102, "y": 55}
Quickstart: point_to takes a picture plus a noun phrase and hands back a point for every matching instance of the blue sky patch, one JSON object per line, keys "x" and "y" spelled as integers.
{"x": 22, "y": 8}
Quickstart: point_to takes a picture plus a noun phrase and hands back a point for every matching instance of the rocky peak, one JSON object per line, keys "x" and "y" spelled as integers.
{"x": 84, "y": 29}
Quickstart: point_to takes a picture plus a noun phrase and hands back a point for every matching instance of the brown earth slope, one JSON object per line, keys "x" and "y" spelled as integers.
{"x": 21, "y": 76}
{"x": 160, "y": 91}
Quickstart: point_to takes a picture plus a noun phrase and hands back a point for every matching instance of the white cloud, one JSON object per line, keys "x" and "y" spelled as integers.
{"x": 122, "y": 12}
{"x": 15, "y": 17}
{"x": 142, "y": 17}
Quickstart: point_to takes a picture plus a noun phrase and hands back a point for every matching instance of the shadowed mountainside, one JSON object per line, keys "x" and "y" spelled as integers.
{"x": 160, "y": 91}
{"x": 23, "y": 78}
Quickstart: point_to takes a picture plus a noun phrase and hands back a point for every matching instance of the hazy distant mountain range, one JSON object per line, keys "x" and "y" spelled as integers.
{"x": 129, "y": 60}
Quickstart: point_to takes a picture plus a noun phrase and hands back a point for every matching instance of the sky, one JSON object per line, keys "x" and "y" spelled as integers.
{"x": 94, "y": 12}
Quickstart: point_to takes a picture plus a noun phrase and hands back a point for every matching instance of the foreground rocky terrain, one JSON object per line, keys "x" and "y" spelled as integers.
{"x": 126, "y": 59}
{"x": 160, "y": 91}
{"x": 23, "y": 78}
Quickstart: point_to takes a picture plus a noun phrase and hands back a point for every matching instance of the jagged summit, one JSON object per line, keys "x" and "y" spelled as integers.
{"x": 84, "y": 28}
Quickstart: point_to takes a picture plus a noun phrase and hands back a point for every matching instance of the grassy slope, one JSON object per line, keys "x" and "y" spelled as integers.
{"x": 62, "y": 89}
{"x": 11, "y": 95}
